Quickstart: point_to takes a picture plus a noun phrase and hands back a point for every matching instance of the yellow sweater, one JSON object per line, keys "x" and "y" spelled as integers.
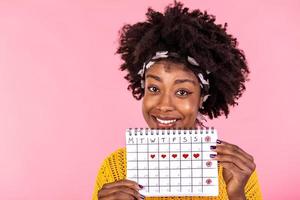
{"x": 114, "y": 169}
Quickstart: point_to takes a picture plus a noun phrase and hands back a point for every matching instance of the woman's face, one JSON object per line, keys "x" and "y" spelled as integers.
{"x": 172, "y": 96}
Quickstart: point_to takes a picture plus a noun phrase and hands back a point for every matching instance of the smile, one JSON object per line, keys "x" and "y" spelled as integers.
{"x": 172, "y": 121}
{"x": 165, "y": 122}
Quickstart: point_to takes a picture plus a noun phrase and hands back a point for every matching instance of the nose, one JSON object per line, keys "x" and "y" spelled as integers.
{"x": 165, "y": 103}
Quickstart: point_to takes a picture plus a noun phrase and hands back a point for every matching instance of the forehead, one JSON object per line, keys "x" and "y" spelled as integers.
{"x": 163, "y": 68}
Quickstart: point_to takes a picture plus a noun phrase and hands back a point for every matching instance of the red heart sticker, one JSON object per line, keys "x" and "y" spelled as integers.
{"x": 174, "y": 155}
{"x": 196, "y": 155}
{"x": 152, "y": 155}
{"x": 163, "y": 155}
{"x": 185, "y": 155}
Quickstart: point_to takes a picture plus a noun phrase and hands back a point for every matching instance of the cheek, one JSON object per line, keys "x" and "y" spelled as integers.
{"x": 147, "y": 104}
{"x": 188, "y": 108}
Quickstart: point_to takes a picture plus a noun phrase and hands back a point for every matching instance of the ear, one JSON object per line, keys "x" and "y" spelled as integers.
{"x": 200, "y": 101}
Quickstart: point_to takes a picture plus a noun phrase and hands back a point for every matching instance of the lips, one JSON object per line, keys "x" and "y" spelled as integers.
{"x": 165, "y": 121}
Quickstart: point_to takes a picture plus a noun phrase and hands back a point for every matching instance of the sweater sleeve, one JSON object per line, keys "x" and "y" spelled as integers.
{"x": 252, "y": 188}
{"x": 111, "y": 170}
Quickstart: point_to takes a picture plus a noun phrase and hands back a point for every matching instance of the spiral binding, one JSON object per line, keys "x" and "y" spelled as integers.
{"x": 166, "y": 131}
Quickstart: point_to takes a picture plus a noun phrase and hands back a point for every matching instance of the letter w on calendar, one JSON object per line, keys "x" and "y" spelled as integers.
{"x": 172, "y": 162}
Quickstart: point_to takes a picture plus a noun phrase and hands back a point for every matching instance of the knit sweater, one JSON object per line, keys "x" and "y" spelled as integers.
{"x": 114, "y": 168}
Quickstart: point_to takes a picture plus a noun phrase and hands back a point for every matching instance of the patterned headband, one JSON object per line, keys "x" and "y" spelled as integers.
{"x": 204, "y": 83}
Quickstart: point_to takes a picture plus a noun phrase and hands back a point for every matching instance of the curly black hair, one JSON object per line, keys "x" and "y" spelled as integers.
{"x": 189, "y": 33}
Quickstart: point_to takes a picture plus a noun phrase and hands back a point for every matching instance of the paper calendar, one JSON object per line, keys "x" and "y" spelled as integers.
{"x": 172, "y": 162}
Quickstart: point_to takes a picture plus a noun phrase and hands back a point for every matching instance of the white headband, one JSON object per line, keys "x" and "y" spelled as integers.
{"x": 204, "y": 83}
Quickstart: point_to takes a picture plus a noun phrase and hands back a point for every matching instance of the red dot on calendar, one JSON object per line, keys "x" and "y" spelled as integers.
{"x": 208, "y": 181}
{"x": 207, "y": 139}
{"x": 174, "y": 155}
{"x": 208, "y": 163}
{"x": 163, "y": 155}
{"x": 152, "y": 155}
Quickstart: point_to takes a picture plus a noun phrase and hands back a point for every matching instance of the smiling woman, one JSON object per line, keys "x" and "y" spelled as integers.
{"x": 182, "y": 65}
{"x": 172, "y": 96}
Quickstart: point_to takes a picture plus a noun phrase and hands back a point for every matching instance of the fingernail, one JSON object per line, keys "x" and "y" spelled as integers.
{"x": 141, "y": 186}
{"x": 219, "y": 142}
{"x": 212, "y": 147}
{"x": 212, "y": 155}
{"x": 142, "y": 196}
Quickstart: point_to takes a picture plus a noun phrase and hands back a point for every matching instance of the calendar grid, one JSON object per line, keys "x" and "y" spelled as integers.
{"x": 180, "y": 164}
{"x": 201, "y": 167}
{"x": 172, "y": 162}
{"x": 169, "y": 144}
{"x": 191, "y": 164}
{"x": 175, "y": 151}
{"x": 158, "y": 167}
{"x": 184, "y": 143}
{"x": 183, "y": 168}
{"x": 148, "y": 164}
{"x": 137, "y": 152}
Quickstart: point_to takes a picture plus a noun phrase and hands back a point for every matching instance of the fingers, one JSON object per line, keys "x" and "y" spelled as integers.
{"x": 117, "y": 196}
{"x": 231, "y": 153}
{"x": 125, "y": 182}
{"x": 243, "y": 167}
{"x": 124, "y": 189}
{"x": 235, "y": 155}
{"x": 120, "y": 194}
{"x": 232, "y": 167}
{"x": 236, "y": 148}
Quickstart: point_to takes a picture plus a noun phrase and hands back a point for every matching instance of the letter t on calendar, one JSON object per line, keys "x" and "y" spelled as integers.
{"x": 172, "y": 162}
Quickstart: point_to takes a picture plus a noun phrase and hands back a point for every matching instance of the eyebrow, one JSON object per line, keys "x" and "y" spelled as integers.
{"x": 178, "y": 81}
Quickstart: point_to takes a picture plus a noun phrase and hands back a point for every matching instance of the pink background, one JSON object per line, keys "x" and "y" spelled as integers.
{"x": 64, "y": 104}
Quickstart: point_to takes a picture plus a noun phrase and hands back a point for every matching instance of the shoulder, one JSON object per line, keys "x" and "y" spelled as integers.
{"x": 117, "y": 154}
{"x": 113, "y": 168}
{"x": 115, "y": 164}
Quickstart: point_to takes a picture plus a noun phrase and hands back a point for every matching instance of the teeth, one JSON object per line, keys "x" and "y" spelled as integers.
{"x": 166, "y": 121}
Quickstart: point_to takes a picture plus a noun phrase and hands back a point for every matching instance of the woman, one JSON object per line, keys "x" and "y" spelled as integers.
{"x": 182, "y": 65}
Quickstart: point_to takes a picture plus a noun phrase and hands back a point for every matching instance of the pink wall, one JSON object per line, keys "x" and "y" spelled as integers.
{"x": 64, "y": 105}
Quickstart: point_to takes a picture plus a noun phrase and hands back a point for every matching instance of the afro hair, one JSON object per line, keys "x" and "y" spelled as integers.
{"x": 189, "y": 33}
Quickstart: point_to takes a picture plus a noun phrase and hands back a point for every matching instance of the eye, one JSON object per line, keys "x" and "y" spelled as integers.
{"x": 183, "y": 93}
{"x": 153, "y": 89}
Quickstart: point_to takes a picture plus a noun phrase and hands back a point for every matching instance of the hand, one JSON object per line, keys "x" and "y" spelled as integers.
{"x": 124, "y": 189}
{"x": 237, "y": 168}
